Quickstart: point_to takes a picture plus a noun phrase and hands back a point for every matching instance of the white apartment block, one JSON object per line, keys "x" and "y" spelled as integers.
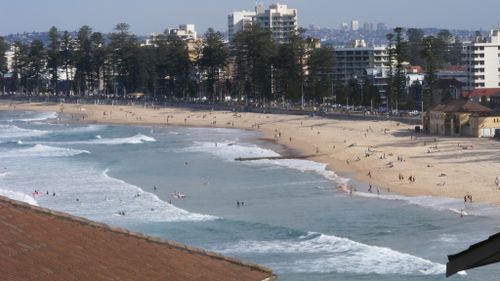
{"x": 10, "y": 57}
{"x": 355, "y": 61}
{"x": 481, "y": 61}
{"x": 186, "y": 32}
{"x": 236, "y": 22}
{"x": 280, "y": 19}
{"x": 354, "y": 25}
{"x": 360, "y": 62}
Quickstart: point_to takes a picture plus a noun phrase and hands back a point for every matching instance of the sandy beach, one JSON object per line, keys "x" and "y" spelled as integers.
{"x": 383, "y": 153}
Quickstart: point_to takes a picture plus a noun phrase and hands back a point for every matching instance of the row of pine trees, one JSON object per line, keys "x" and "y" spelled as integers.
{"x": 253, "y": 66}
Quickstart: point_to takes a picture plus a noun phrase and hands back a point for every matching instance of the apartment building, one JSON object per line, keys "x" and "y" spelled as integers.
{"x": 354, "y": 25}
{"x": 278, "y": 18}
{"x": 481, "y": 60}
{"x": 186, "y": 32}
{"x": 357, "y": 61}
{"x": 361, "y": 62}
{"x": 236, "y": 22}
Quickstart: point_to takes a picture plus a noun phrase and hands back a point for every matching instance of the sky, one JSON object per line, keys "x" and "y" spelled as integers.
{"x": 147, "y": 16}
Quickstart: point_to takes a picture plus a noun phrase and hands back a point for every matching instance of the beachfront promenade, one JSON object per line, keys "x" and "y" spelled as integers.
{"x": 379, "y": 151}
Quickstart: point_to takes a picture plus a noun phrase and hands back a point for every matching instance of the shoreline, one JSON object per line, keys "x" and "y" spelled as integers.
{"x": 386, "y": 149}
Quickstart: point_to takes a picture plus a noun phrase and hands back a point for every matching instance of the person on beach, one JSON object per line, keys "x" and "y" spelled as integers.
{"x": 369, "y": 174}
{"x": 496, "y": 181}
{"x": 370, "y": 187}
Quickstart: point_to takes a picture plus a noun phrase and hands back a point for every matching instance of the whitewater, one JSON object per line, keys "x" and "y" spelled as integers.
{"x": 298, "y": 218}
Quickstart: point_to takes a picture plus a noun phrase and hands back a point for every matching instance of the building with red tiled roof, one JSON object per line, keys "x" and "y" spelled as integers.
{"x": 478, "y": 94}
{"x": 415, "y": 69}
{"x": 462, "y": 117}
{"x": 40, "y": 244}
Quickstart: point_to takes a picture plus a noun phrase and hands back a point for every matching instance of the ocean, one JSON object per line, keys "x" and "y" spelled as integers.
{"x": 291, "y": 216}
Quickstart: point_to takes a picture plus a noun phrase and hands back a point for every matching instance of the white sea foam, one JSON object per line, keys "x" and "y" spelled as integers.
{"x": 93, "y": 194}
{"x": 142, "y": 205}
{"x": 39, "y": 116}
{"x": 40, "y": 150}
{"x": 137, "y": 139}
{"x": 322, "y": 253}
{"x": 439, "y": 203}
{"x": 8, "y": 132}
{"x": 82, "y": 129}
{"x": 229, "y": 151}
{"x": 309, "y": 166}
{"x": 18, "y": 196}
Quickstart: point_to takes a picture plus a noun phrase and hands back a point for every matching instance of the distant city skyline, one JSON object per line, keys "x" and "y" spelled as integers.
{"x": 149, "y": 16}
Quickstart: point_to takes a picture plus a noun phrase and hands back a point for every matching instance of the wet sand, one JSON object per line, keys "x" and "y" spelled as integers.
{"x": 445, "y": 167}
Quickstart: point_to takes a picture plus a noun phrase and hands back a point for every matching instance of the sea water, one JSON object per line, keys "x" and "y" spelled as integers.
{"x": 292, "y": 216}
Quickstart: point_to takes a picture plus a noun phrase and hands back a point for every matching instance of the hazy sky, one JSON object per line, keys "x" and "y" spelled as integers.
{"x": 146, "y": 16}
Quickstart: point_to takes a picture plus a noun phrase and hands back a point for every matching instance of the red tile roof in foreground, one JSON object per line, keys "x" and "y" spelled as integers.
{"x": 40, "y": 244}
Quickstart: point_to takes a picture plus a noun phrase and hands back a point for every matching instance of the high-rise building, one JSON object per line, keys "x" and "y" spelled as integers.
{"x": 344, "y": 26}
{"x": 357, "y": 61}
{"x": 481, "y": 60}
{"x": 354, "y": 25}
{"x": 236, "y": 22}
{"x": 381, "y": 26}
{"x": 280, "y": 19}
{"x": 368, "y": 27}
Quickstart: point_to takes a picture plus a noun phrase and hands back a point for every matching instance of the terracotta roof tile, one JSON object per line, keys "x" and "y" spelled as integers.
{"x": 481, "y": 92}
{"x": 461, "y": 105}
{"x": 40, "y": 244}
